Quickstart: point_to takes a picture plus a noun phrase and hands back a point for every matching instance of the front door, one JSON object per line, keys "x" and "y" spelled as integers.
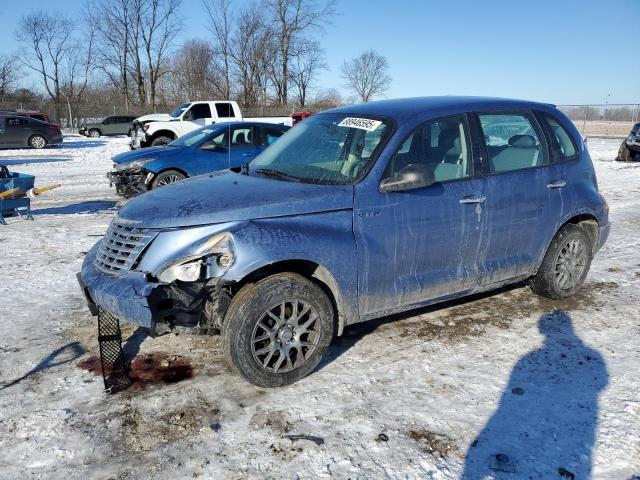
{"x": 418, "y": 245}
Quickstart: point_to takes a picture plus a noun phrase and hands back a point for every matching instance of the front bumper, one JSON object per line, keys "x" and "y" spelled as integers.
{"x": 82, "y": 131}
{"x": 135, "y": 297}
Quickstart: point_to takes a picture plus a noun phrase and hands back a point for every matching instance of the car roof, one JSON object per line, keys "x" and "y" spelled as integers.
{"x": 248, "y": 124}
{"x": 401, "y": 108}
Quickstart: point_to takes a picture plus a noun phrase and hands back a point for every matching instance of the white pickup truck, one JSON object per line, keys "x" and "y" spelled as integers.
{"x": 162, "y": 128}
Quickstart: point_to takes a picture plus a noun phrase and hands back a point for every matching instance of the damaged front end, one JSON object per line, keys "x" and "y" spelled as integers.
{"x": 128, "y": 274}
{"x": 130, "y": 183}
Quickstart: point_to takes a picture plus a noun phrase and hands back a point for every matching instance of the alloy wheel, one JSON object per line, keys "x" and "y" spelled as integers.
{"x": 571, "y": 264}
{"x": 285, "y": 336}
{"x": 169, "y": 179}
{"x": 38, "y": 142}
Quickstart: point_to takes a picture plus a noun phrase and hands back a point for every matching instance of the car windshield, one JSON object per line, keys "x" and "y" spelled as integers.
{"x": 179, "y": 110}
{"x": 330, "y": 148}
{"x": 195, "y": 137}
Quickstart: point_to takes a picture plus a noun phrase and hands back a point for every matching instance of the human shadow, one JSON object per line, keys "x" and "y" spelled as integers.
{"x": 131, "y": 347}
{"x": 545, "y": 424}
{"x": 65, "y": 354}
{"x": 92, "y": 206}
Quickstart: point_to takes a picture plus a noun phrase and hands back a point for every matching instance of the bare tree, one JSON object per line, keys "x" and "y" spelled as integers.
{"x": 307, "y": 61}
{"x": 45, "y": 39}
{"x": 194, "y": 73}
{"x": 9, "y": 73}
{"x": 220, "y": 15}
{"x": 367, "y": 75}
{"x": 291, "y": 20}
{"x": 134, "y": 40}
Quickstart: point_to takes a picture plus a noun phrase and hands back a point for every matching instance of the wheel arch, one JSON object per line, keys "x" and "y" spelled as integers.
{"x": 162, "y": 133}
{"x": 312, "y": 271}
{"x": 94, "y": 128}
{"x": 28, "y": 142}
{"x": 166, "y": 169}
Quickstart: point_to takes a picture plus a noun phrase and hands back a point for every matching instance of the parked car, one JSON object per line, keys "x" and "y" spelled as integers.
{"x": 113, "y": 125}
{"x": 630, "y": 148}
{"x": 28, "y": 113}
{"x": 161, "y": 128}
{"x": 23, "y": 131}
{"x": 205, "y": 150}
{"x": 357, "y": 213}
{"x": 300, "y": 116}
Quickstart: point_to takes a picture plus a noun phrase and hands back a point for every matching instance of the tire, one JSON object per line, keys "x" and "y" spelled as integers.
{"x": 161, "y": 140}
{"x": 167, "y": 177}
{"x": 624, "y": 154}
{"x": 565, "y": 264}
{"x": 37, "y": 141}
{"x": 94, "y": 133}
{"x": 278, "y": 359}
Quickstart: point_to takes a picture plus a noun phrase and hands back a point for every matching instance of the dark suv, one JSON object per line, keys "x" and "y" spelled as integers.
{"x": 630, "y": 148}
{"x": 23, "y": 131}
{"x": 354, "y": 214}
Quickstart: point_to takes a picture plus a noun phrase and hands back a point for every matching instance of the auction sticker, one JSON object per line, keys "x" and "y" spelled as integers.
{"x": 361, "y": 123}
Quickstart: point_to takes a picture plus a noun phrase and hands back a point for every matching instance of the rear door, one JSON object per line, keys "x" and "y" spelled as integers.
{"x": 4, "y": 140}
{"x": 225, "y": 112}
{"x": 265, "y": 136}
{"x": 518, "y": 214}
{"x": 18, "y": 130}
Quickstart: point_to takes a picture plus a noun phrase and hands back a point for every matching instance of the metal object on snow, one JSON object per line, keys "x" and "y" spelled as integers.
{"x": 114, "y": 366}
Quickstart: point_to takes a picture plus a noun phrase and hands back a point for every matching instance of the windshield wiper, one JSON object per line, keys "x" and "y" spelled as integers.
{"x": 267, "y": 172}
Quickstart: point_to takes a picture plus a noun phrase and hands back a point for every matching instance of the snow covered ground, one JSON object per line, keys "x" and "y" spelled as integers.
{"x": 555, "y": 386}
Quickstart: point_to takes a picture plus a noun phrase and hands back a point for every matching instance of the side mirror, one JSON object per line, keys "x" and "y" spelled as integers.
{"x": 210, "y": 147}
{"x": 410, "y": 177}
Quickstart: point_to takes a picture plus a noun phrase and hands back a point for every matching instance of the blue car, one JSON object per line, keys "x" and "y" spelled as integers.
{"x": 356, "y": 213}
{"x": 208, "y": 149}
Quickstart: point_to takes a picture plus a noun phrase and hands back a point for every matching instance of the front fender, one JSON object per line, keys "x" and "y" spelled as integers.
{"x": 325, "y": 239}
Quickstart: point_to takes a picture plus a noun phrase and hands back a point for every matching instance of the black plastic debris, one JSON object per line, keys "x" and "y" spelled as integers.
{"x": 500, "y": 462}
{"x": 114, "y": 366}
{"x": 383, "y": 437}
{"x": 566, "y": 474}
{"x": 311, "y": 438}
{"x": 517, "y": 391}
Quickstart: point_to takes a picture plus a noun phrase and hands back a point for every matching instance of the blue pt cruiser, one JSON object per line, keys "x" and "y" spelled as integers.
{"x": 359, "y": 212}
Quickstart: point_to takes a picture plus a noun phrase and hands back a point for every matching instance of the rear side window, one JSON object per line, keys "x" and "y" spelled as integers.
{"x": 268, "y": 135}
{"x": 561, "y": 143}
{"x": 513, "y": 142}
{"x": 14, "y": 122}
{"x": 225, "y": 110}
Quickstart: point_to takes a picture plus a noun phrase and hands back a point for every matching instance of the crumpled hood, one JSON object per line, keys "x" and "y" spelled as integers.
{"x": 154, "y": 117}
{"x": 227, "y": 196}
{"x": 145, "y": 153}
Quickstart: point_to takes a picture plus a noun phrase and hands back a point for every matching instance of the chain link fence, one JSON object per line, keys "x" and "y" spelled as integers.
{"x": 592, "y": 120}
{"x": 613, "y": 120}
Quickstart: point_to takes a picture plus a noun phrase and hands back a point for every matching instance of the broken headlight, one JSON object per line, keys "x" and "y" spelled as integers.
{"x": 216, "y": 253}
{"x": 133, "y": 165}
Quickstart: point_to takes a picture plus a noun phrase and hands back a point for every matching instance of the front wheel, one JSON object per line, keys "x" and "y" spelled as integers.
{"x": 93, "y": 133}
{"x": 277, "y": 330}
{"x": 565, "y": 265}
{"x": 38, "y": 141}
{"x": 162, "y": 140}
{"x": 167, "y": 177}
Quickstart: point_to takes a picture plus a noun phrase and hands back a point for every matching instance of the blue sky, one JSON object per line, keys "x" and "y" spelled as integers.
{"x": 559, "y": 51}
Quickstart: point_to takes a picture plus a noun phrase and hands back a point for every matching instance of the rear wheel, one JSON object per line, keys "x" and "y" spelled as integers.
{"x": 38, "y": 141}
{"x": 277, "y": 330}
{"x": 94, "y": 133}
{"x": 565, "y": 265}
{"x": 167, "y": 177}
{"x": 161, "y": 140}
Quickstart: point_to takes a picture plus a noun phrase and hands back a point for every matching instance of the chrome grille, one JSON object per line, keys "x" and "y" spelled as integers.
{"x": 121, "y": 247}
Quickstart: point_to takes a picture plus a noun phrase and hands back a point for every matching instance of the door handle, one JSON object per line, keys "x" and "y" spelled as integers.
{"x": 558, "y": 184}
{"x": 467, "y": 200}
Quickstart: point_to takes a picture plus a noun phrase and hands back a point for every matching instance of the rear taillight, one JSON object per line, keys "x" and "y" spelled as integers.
{"x": 53, "y": 126}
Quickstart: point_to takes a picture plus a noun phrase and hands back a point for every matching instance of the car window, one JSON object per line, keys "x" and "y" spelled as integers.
{"x": 561, "y": 142}
{"x": 225, "y": 110}
{"x": 16, "y": 121}
{"x": 241, "y": 137}
{"x": 442, "y": 145}
{"x": 512, "y": 141}
{"x": 108, "y": 121}
{"x": 200, "y": 110}
{"x": 268, "y": 135}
